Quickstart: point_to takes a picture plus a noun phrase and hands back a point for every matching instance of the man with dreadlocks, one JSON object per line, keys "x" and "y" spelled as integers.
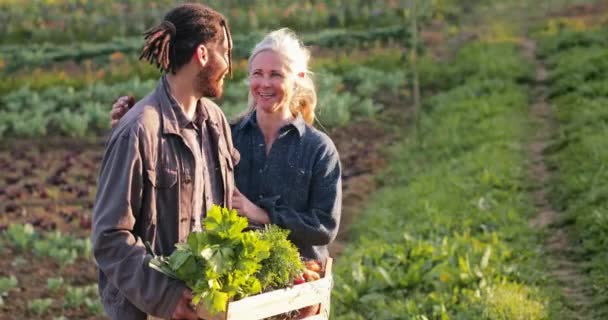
{"x": 172, "y": 147}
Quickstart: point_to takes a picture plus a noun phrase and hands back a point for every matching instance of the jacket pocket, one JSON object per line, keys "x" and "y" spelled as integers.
{"x": 163, "y": 177}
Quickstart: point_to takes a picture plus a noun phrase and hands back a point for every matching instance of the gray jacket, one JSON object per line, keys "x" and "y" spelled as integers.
{"x": 145, "y": 194}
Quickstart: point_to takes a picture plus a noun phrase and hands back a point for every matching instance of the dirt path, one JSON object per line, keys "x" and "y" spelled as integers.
{"x": 564, "y": 267}
{"x": 362, "y": 146}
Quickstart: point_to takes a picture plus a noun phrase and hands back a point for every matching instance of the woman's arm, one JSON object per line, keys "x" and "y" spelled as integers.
{"x": 318, "y": 225}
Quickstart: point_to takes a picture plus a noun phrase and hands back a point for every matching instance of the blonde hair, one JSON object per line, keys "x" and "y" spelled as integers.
{"x": 296, "y": 57}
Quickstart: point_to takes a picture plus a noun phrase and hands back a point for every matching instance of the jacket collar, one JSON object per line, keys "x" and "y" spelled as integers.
{"x": 169, "y": 120}
{"x": 173, "y": 117}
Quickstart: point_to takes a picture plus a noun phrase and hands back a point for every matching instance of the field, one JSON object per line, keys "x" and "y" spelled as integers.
{"x": 480, "y": 196}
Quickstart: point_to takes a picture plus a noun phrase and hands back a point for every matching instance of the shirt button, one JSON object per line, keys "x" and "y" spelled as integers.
{"x": 260, "y": 196}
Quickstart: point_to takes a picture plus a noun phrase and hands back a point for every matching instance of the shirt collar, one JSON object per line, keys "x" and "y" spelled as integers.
{"x": 201, "y": 114}
{"x": 298, "y": 123}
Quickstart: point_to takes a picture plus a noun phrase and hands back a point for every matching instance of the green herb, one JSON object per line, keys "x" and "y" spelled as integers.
{"x": 224, "y": 263}
{"x": 284, "y": 263}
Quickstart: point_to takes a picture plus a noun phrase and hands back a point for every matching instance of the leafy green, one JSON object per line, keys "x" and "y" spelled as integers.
{"x": 224, "y": 263}
{"x": 283, "y": 265}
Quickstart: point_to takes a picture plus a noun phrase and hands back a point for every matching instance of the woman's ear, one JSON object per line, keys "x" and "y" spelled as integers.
{"x": 201, "y": 55}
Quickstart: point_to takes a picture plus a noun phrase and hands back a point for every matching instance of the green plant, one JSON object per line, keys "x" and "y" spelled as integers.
{"x": 62, "y": 248}
{"x": 94, "y": 306}
{"x": 39, "y": 306}
{"x": 54, "y": 284}
{"x": 283, "y": 263}
{"x": 6, "y": 285}
{"x": 74, "y": 297}
{"x": 223, "y": 262}
{"x": 21, "y": 235}
{"x": 506, "y": 301}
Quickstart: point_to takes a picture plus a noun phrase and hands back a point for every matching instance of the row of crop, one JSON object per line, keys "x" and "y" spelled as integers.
{"x": 18, "y": 57}
{"x": 447, "y": 237}
{"x": 66, "y": 111}
{"x": 118, "y": 67}
{"x": 578, "y": 83}
{"x": 63, "y": 250}
{"x": 69, "y": 21}
{"x": 113, "y": 68}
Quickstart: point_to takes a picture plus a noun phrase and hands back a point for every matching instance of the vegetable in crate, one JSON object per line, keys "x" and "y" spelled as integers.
{"x": 224, "y": 263}
{"x": 284, "y": 263}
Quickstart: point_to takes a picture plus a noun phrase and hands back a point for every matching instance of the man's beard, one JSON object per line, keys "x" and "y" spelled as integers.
{"x": 209, "y": 81}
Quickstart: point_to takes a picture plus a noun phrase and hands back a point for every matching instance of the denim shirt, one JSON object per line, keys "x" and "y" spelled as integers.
{"x": 298, "y": 183}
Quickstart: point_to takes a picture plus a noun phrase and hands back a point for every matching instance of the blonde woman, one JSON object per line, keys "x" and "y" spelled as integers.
{"x": 289, "y": 173}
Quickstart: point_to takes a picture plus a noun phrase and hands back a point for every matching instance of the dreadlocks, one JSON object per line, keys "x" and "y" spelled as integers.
{"x": 171, "y": 44}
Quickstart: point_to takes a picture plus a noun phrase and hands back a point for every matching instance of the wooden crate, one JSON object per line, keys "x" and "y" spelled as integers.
{"x": 276, "y": 302}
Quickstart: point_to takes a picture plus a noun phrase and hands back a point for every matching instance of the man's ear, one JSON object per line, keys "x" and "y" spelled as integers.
{"x": 201, "y": 55}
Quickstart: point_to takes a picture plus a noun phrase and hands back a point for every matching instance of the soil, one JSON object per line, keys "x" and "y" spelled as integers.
{"x": 582, "y": 10}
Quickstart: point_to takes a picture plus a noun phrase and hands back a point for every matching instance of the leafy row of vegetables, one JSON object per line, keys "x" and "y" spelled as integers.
{"x": 118, "y": 67}
{"x": 447, "y": 237}
{"x": 72, "y": 21}
{"x": 18, "y": 57}
{"x": 64, "y": 249}
{"x": 78, "y": 112}
{"x": 74, "y": 297}
{"x": 28, "y": 246}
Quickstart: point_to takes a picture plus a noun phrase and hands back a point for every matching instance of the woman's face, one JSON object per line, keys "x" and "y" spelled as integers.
{"x": 270, "y": 82}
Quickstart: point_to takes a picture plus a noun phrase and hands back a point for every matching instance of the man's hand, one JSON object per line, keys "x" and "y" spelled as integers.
{"x": 247, "y": 209}
{"x": 183, "y": 310}
{"x": 120, "y": 107}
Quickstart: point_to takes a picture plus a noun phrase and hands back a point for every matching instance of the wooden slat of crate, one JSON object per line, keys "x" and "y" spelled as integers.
{"x": 284, "y": 300}
{"x": 281, "y": 301}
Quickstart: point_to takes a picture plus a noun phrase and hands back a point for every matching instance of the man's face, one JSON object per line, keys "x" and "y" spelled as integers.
{"x": 210, "y": 80}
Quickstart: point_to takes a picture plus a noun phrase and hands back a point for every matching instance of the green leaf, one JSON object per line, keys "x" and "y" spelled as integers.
{"x": 178, "y": 258}
{"x": 387, "y": 277}
{"x": 215, "y": 301}
{"x": 486, "y": 257}
{"x": 223, "y": 262}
